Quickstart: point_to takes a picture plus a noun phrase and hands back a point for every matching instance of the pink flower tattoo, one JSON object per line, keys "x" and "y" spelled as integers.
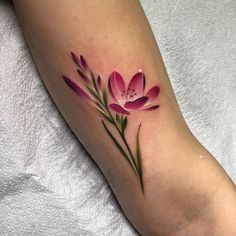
{"x": 115, "y": 111}
{"x": 132, "y": 97}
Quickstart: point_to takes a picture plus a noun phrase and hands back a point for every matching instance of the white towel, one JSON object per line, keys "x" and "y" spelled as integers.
{"x": 48, "y": 184}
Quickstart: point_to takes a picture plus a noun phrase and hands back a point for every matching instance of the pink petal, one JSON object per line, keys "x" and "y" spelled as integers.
{"x": 99, "y": 82}
{"x": 153, "y": 93}
{"x": 118, "y": 108}
{"x": 151, "y": 108}
{"x": 83, "y": 76}
{"x": 79, "y": 91}
{"x": 109, "y": 88}
{"x": 84, "y": 63}
{"x": 116, "y": 86}
{"x": 136, "y": 104}
{"x": 75, "y": 59}
{"x": 137, "y": 84}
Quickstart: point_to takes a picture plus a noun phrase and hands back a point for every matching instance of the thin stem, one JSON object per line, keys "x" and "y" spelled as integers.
{"x": 120, "y": 148}
{"x": 94, "y": 83}
{"x": 128, "y": 148}
{"x": 138, "y": 172}
{"x": 122, "y": 136}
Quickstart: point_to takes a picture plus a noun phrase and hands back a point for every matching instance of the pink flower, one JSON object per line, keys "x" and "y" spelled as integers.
{"x": 132, "y": 97}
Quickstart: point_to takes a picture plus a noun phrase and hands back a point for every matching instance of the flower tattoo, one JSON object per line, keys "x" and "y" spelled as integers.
{"x": 116, "y": 108}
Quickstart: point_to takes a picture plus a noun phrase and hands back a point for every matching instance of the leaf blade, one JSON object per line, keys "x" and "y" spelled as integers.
{"x": 118, "y": 146}
{"x": 139, "y": 160}
{"x": 125, "y": 122}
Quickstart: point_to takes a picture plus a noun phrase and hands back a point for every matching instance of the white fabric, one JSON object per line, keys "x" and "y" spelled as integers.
{"x": 48, "y": 184}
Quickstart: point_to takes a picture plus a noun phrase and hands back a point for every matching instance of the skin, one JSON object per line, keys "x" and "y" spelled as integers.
{"x": 186, "y": 191}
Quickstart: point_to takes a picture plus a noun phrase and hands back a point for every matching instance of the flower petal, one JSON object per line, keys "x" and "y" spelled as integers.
{"x": 137, "y": 85}
{"x": 117, "y": 108}
{"x": 84, "y": 63}
{"x": 136, "y": 104}
{"x": 151, "y": 108}
{"x": 84, "y": 77}
{"x": 99, "y": 82}
{"x": 79, "y": 91}
{"x": 75, "y": 59}
{"x": 109, "y": 88}
{"x": 153, "y": 93}
{"x": 116, "y": 86}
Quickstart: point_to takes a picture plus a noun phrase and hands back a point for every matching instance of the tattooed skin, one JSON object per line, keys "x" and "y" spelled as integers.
{"x": 116, "y": 108}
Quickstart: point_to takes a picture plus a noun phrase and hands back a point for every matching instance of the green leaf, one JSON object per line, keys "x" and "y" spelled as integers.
{"x": 123, "y": 124}
{"x": 100, "y": 106}
{"x": 118, "y": 146}
{"x": 139, "y": 161}
{"x": 94, "y": 82}
{"x": 105, "y": 116}
{"x": 125, "y": 121}
{"x": 93, "y": 93}
{"x": 104, "y": 96}
{"x": 117, "y": 119}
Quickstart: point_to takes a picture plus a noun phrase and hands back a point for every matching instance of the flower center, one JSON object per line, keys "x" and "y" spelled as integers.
{"x": 131, "y": 94}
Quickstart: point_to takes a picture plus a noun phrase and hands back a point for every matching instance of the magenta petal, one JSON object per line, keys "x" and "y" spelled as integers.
{"x": 84, "y": 63}
{"x": 99, "y": 82}
{"x": 136, "y": 104}
{"x": 151, "y": 108}
{"x": 75, "y": 59}
{"x": 137, "y": 84}
{"x": 117, "y": 108}
{"x": 79, "y": 91}
{"x": 153, "y": 93}
{"x": 116, "y": 86}
{"x": 83, "y": 76}
{"x": 109, "y": 88}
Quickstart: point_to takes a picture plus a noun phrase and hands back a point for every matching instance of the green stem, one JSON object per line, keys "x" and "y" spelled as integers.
{"x": 119, "y": 147}
{"x": 128, "y": 148}
{"x": 138, "y": 170}
{"x": 106, "y": 110}
{"x": 139, "y": 160}
{"x": 122, "y": 136}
